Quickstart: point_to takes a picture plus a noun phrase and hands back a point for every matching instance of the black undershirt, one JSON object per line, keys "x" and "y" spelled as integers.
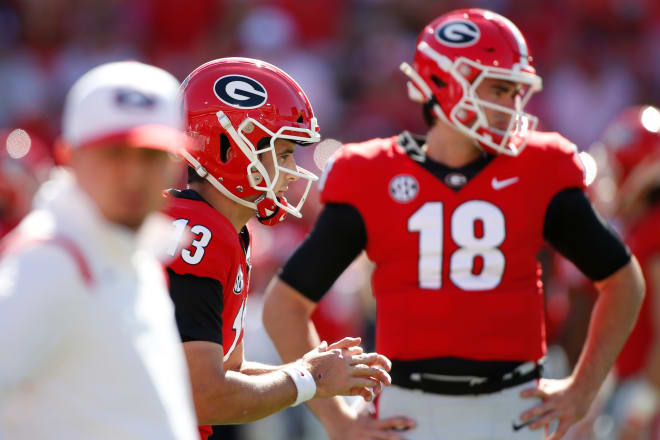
{"x": 198, "y": 301}
{"x": 197, "y": 307}
{"x": 571, "y": 226}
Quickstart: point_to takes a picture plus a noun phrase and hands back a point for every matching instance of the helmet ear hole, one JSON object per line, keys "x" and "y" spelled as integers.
{"x": 438, "y": 82}
{"x": 225, "y": 145}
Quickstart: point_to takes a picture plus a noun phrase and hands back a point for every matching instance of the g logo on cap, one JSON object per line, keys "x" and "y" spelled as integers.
{"x": 240, "y": 91}
{"x": 458, "y": 33}
{"x": 134, "y": 98}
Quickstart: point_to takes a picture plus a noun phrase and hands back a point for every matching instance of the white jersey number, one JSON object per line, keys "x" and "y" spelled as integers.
{"x": 428, "y": 221}
{"x": 195, "y": 256}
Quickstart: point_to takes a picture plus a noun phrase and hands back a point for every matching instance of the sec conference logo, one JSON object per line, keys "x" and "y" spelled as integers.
{"x": 240, "y": 91}
{"x": 458, "y": 33}
{"x": 404, "y": 188}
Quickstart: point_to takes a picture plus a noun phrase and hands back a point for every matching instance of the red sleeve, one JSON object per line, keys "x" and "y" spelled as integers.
{"x": 553, "y": 162}
{"x": 207, "y": 248}
{"x": 337, "y": 181}
{"x": 564, "y": 166}
{"x": 347, "y": 176}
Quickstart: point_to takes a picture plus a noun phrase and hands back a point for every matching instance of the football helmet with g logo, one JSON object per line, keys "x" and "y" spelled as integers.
{"x": 628, "y": 158}
{"x": 454, "y": 54}
{"x": 245, "y": 105}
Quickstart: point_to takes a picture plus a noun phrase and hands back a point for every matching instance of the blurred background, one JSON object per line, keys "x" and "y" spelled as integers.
{"x": 596, "y": 57}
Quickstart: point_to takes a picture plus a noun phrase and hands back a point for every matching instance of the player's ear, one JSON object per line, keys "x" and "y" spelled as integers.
{"x": 62, "y": 152}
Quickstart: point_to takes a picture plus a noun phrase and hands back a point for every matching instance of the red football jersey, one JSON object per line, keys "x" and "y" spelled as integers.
{"x": 644, "y": 241}
{"x": 456, "y": 271}
{"x": 212, "y": 249}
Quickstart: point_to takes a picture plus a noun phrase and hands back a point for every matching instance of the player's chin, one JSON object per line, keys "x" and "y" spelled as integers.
{"x": 133, "y": 223}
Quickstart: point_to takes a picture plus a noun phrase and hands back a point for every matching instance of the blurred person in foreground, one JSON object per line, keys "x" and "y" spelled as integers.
{"x": 246, "y": 118}
{"x": 453, "y": 222}
{"x": 87, "y": 332}
{"x": 628, "y": 191}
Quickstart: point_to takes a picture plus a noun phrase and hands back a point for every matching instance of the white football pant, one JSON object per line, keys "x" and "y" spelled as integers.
{"x": 440, "y": 417}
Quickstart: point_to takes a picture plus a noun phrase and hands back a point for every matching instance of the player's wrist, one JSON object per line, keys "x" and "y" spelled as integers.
{"x": 303, "y": 380}
{"x": 336, "y": 416}
{"x": 334, "y": 413}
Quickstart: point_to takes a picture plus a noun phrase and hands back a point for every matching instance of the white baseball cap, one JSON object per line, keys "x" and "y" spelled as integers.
{"x": 129, "y": 102}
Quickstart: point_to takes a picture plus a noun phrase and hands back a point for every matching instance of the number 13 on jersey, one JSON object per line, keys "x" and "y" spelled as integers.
{"x": 203, "y": 235}
{"x": 474, "y": 246}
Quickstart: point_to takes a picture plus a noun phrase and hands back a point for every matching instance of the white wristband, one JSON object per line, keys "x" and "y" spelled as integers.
{"x": 303, "y": 380}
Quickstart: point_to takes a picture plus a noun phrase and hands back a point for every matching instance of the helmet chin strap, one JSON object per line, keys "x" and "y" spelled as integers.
{"x": 269, "y": 212}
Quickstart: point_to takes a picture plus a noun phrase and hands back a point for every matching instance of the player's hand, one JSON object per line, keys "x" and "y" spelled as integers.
{"x": 562, "y": 399}
{"x": 360, "y": 424}
{"x": 371, "y": 359}
{"x": 337, "y": 373}
{"x": 348, "y": 346}
{"x": 374, "y": 360}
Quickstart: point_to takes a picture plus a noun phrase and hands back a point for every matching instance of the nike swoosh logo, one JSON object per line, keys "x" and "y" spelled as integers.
{"x": 521, "y": 425}
{"x": 517, "y": 427}
{"x": 499, "y": 184}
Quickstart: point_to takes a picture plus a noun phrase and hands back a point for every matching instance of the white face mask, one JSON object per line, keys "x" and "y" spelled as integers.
{"x": 258, "y": 177}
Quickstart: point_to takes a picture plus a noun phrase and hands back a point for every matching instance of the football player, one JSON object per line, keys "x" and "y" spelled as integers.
{"x": 89, "y": 345}
{"x": 246, "y": 118}
{"x": 630, "y": 187}
{"x": 453, "y": 221}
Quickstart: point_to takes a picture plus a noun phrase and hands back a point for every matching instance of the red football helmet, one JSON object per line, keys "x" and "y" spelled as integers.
{"x": 237, "y": 103}
{"x": 454, "y": 54}
{"x": 628, "y": 156}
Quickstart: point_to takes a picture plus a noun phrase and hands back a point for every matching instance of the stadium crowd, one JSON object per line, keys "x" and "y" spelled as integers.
{"x": 596, "y": 57}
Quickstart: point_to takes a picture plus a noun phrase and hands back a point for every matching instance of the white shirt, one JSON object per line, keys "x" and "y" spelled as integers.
{"x": 88, "y": 360}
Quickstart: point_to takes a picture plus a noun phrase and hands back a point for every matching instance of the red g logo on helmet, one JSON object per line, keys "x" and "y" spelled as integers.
{"x": 459, "y": 33}
{"x": 240, "y": 91}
